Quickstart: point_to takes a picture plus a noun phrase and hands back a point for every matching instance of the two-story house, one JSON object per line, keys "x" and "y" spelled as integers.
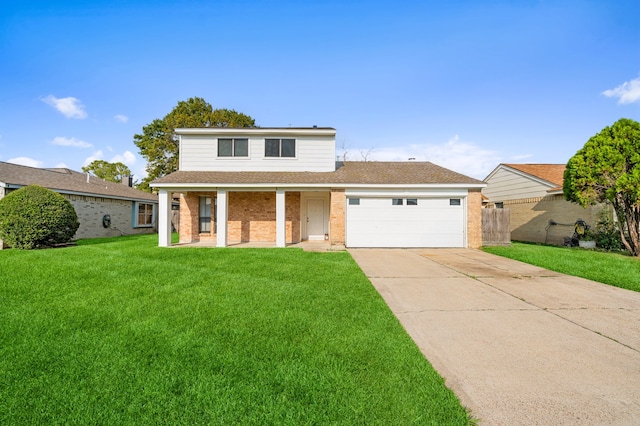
{"x": 283, "y": 186}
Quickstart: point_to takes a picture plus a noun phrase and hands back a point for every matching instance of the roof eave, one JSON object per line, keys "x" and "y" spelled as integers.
{"x": 201, "y": 185}
{"x": 87, "y": 194}
{"x": 311, "y": 131}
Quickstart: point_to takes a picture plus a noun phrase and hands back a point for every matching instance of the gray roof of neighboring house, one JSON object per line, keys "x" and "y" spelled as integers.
{"x": 347, "y": 173}
{"x": 69, "y": 181}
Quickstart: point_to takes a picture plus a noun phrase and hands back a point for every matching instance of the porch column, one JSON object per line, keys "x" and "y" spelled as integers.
{"x": 221, "y": 218}
{"x": 164, "y": 218}
{"x": 280, "y": 218}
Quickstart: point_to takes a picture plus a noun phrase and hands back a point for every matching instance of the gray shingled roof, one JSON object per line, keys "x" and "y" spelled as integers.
{"x": 69, "y": 181}
{"x": 355, "y": 172}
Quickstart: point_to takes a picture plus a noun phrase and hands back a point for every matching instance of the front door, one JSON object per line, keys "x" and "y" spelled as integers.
{"x": 315, "y": 219}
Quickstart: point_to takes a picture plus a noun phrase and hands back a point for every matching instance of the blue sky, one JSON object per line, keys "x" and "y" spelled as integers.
{"x": 464, "y": 84}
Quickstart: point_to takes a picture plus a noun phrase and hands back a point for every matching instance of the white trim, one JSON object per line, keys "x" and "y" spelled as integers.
{"x": 164, "y": 219}
{"x": 280, "y": 218}
{"x": 303, "y": 186}
{"x": 403, "y": 193}
{"x": 221, "y": 218}
{"x": 256, "y": 131}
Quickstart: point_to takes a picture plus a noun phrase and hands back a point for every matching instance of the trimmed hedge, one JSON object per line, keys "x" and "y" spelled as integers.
{"x": 36, "y": 217}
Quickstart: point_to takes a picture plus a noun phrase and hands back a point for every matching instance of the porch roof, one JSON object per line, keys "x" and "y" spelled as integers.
{"x": 346, "y": 173}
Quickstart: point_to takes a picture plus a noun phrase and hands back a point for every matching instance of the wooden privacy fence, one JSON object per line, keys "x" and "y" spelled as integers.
{"x": 495, "y": 227}
{"x": 175, "y": 220}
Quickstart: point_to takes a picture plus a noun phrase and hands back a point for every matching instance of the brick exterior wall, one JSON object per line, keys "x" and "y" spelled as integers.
{"x": 293, "y": 214}
{"x": 530, "y": 218}
{"x": 190, "y": 218}
{"x": 474, "y": 219}
{"x": 90, "y": 211}
{"x": 251, "y": 217}
{"x": 337, "y": 217}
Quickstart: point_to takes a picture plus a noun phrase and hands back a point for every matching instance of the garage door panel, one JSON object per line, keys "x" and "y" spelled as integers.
{"x": 431, "y": 223}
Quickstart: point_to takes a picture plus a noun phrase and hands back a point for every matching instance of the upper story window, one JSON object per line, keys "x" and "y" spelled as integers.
{"x": 238, "y": 147}
{"x": 280, "y": 148}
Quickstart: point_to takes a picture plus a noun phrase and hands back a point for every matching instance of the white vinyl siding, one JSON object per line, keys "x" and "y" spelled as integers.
{"x": 384, "y": 222}
{"x": 313, "y": 153}
{"x": 509, "y": 185}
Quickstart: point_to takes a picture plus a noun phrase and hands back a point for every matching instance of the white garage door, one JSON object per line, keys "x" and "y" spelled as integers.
{"x": 405, "y": 222}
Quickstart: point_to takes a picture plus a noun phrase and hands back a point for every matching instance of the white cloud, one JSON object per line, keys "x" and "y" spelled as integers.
{"x": 462, "y": 157}
{"x": 62, "y": 141}
{"x": 95, "y": 156}
{"x": 121, "y": 118}
{"x": 69, "y": 107}
{"x": 25, "y": 161}
{"x": 128, "y": 158}
{"x": 61, "y": 166}
{"x": 627, "y": 93}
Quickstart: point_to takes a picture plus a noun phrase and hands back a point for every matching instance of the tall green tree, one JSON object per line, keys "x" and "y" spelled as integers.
{"x": 113, "y": 172}
{"x": 607, "y": 169}
{"x": 158, "y": 143}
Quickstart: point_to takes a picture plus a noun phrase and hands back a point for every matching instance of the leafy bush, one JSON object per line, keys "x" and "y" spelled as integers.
{"x": 34, "y": 217}
{"x": 606, "y": 234}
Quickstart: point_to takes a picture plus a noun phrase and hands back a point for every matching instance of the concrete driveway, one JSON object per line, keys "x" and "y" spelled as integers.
{"x": 518, "y": 344}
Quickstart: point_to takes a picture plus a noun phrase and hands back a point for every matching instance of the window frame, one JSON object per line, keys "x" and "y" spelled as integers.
{"x": 455, "y": 202}
{"x": 148, "y": 216}
{"x": 201, "y": 217}
{"x": 233, "y": 141}
{"x": 280, "y": 147}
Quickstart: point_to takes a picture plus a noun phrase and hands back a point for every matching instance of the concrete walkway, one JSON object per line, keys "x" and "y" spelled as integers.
{"x": 518, "y": 344}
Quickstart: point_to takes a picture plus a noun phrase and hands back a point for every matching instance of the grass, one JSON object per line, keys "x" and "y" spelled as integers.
{"x": 119, "y": 331}
{"x": 609, "y": 268}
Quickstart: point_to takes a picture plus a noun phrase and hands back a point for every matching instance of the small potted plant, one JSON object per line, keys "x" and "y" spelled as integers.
{"x": 587, "y": 240}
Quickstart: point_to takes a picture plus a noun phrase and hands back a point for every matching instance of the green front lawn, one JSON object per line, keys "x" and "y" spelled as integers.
{"x": 119, "y": 331}
{"x": 609, "y": 268}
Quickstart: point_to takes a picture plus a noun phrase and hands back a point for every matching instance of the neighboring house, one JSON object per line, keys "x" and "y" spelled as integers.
{"x": 128, "y": 210}
{"x": 533, "y": 194}
{"x": 283, "y": 186}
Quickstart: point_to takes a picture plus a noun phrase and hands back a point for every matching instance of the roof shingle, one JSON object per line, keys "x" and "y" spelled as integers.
{"x": 66, "y": 180}
{"x": 553, "y": 173}
{"x": 355, "y": 172}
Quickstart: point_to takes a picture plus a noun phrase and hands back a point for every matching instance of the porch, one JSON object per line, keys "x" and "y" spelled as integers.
{"x": 257, "y": 218}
